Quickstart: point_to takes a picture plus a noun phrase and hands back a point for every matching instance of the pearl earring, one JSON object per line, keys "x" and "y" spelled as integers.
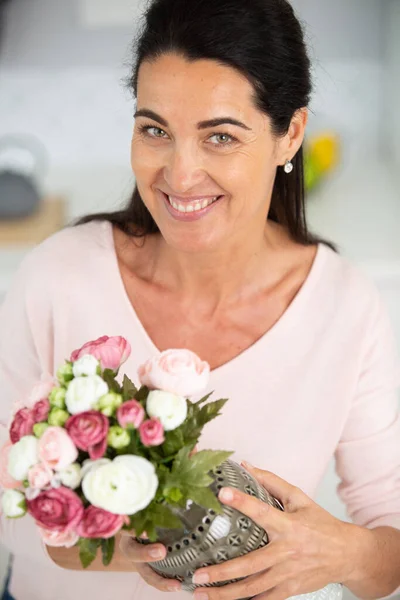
{"x": 288, "y": 166}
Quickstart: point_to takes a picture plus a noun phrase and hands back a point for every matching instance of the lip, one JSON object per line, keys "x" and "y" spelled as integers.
{"x": 191, "y": 216}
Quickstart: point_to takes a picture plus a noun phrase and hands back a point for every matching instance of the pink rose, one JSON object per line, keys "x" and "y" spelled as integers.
{"x": 39, "y": 476}
{"x": 180, "y": 372}
{"x": 21, "y": 425}
{"x": 40, "y": 391}
{"x": 89, "y": 430}
{"x": 111, "y": 352}
{"x": 41, "y": 410}
{"x": 58, "y": 509}
{"x": 6, "y": 481}
{"x": 56, "y": 449}
{"x": 99, "y": 523}
{"x": 130, "y": 413}
{"x": 65, "y": 539}
{"x": 151, "y": 433}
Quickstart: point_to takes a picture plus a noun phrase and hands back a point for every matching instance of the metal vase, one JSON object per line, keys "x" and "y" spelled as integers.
{"x": 207, "y": 538}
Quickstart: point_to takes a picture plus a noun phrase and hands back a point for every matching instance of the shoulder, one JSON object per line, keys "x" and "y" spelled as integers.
{"x": 69, "y": 248}
{"x": 62, "y": 260}
{"x": 350, "y": 289}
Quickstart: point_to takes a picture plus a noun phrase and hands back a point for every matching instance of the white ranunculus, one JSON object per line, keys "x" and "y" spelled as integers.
{"x": 86, "y": 365}
{"x": 13, "y": 504}
{"x": 169, "y": 408}
{"x": 84, "y": 392}
{"x": 71, "y": 476}
{"x": 88, "y": 464}
{"x": 22, "y": 456}
{"x": 122, "y": 486}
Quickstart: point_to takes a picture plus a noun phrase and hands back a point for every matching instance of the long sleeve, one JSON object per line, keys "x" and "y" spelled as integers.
{"x": 25, "y": 355}
{"x": 368, "y": 455}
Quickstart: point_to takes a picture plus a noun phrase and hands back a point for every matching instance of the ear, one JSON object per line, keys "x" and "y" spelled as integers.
{"x": 289, "y": 145}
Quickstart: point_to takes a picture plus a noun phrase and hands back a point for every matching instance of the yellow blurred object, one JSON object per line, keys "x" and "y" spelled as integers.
{"x": 325, "y": 150}
{"x": 321, "y": 156}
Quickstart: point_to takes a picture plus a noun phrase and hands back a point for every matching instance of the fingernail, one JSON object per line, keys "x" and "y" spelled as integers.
{"x": 156, "y": 553}
{"x": 200, "y": 595}
{"x": 226, "y": 494}
{"x": 174, "y": 587}
{"x": 201, "y": 578}
{"x": 247, "y": 465}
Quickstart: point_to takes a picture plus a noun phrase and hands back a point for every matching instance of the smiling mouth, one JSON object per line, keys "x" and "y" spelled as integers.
{"x": 191, "y": 206}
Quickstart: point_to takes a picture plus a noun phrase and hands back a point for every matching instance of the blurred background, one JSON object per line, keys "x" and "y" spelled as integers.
{"x": 66, "y": 123}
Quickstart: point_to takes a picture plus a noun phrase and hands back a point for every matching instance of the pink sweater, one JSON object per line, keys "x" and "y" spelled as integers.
{"x": 321, "y": 382}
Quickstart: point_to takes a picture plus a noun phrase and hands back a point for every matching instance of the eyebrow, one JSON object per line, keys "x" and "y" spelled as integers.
{"x": 144, "y": 112}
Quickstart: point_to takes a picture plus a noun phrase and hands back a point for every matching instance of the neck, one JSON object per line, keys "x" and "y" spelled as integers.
{"x": 218, "y": 278}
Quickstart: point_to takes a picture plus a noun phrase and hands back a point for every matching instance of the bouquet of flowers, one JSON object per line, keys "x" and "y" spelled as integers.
{"x": 89, "y": 455}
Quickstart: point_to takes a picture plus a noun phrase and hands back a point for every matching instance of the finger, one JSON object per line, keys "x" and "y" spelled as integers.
{"x": 253, "y": 562}
{"x": 247, "y": 588}
{"x": 266, "y": 516}
{"x": 141, "y": 553}
{"x": 158, "y": 582}
{"x": 281, "y": 489}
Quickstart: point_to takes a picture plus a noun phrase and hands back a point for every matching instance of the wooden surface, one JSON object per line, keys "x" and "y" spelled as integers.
{"x": 49, "y": 218}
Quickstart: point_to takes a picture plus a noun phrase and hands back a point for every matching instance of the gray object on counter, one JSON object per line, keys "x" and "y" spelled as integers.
{"x": 23, "y": 162}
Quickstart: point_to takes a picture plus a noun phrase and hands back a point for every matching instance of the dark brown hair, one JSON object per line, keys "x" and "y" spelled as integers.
{"x": 264, "y": 41}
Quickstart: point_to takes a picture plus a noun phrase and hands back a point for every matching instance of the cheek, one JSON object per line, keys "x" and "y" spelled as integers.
{"x": 144, "y": 161}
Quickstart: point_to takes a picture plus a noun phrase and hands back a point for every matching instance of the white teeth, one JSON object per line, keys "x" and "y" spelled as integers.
{"x": 191, "y": 207}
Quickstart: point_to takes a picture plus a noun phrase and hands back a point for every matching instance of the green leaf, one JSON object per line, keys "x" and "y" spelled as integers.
{"x": 202, "y": 400}
{"x": 109, "y": 378}
{"x": 207, "y": 460}
{"x": 88, "y": 550}
{"x": 141, "y": 395}
{"x": 198, "y": 417}
{"x": 162, "y": 516}
{"x": 129, "y": 390}
{"x": 205, "y": 497}
{"x": 107, "y": 550}
{"x": 188, "y": 471}
{"x": 173, "y": 442}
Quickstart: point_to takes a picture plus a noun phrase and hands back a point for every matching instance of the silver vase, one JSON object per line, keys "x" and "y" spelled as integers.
{"x": 208, "y": 539}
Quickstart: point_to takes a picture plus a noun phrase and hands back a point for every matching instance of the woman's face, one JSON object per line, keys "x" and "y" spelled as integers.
{"x": 203, "y": 155}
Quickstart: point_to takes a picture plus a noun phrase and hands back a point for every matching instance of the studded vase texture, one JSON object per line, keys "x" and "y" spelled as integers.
{"x": 208, "y": 538}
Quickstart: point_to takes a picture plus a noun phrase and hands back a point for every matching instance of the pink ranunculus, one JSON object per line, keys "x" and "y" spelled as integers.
{"x": 111, "y": 352}
{"x": 151, "y": 433}
{"x": 89, "y": 430}
{"x": 56, "y": 449}
{"x": 99, "y": 523}
{"x": 6, "y": 481}
{"x": 21, "y": 425}
{"x": 180, "y": 372}
{"x": 39, "y": 476}
{"x": 41, "y": 410}
{"x": 64, "y": 539}
{"x": 58, "y": 509}
{"x": 131, "y": 413}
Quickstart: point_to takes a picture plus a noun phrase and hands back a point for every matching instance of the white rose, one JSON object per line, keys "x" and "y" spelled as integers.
{"x": 22, "y": 456}
{"x": 13, "y": 504}
{"x": 123, "y": 487}
{"x": 84, "y": 392}
{"x": 71, "y": 476}
{"x": 88, "y": 464}
{"x": 86, "y": 365}
{"x": 169, "y": 408}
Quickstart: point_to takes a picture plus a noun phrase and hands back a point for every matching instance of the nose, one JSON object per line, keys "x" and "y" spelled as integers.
{"x": 183, "y": 170}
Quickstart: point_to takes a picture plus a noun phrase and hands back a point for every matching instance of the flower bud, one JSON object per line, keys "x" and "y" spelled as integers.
{"x": 109, "y": 403}
{"x": 71, "y": 476}
{"x": 118, "y": 438}
{"x": 13, "y": 504}
{"x": 58, "y": 417}
{"x": 39, "y": 429}
{"x": 57, "y": 397}
{"x": 65, "y": 374}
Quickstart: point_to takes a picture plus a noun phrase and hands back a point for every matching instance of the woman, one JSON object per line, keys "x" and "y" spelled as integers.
{"x": 213, "y": 254}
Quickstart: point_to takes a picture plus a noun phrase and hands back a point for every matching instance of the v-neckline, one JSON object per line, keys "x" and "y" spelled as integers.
{"x": 281, "y": 325}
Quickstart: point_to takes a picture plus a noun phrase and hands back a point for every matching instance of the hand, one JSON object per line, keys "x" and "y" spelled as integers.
{"x": 141, "y": 554}
{"x": 308, "y": 547}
